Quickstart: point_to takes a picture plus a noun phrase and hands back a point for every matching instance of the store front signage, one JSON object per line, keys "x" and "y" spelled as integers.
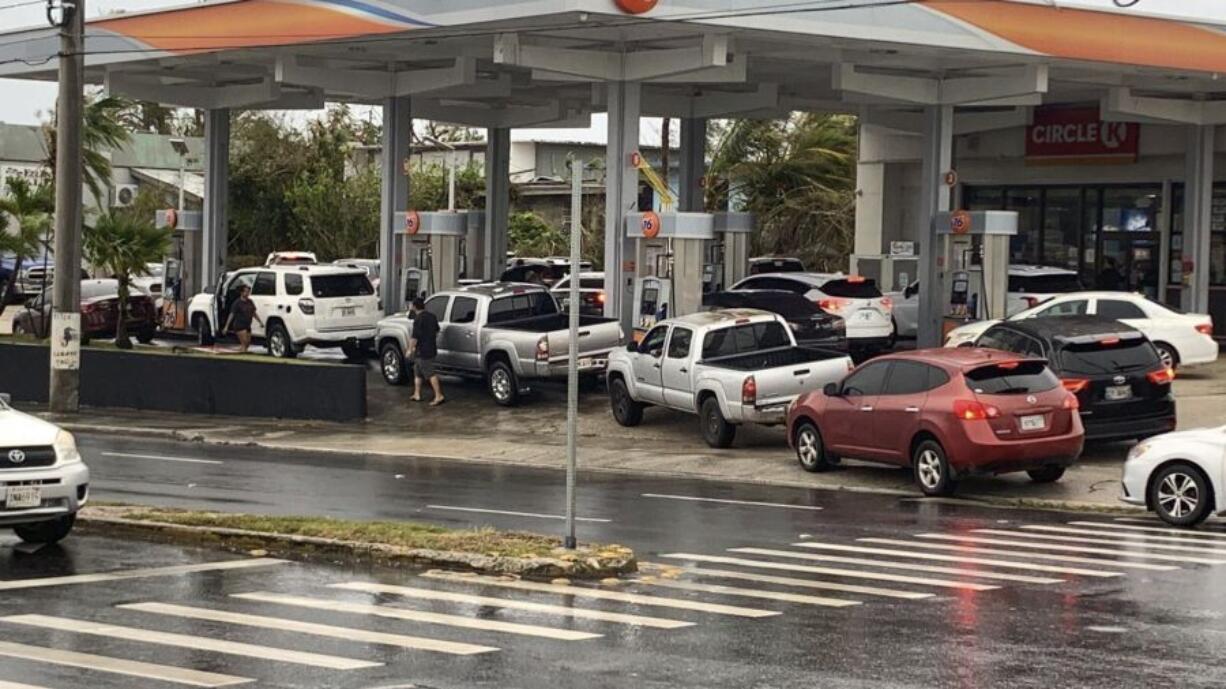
{"x": 1078, "y": 136}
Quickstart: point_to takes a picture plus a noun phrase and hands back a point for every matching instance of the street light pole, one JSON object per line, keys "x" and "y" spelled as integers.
{"x": 572, "y": 366}
{"x": 65, "y": 332}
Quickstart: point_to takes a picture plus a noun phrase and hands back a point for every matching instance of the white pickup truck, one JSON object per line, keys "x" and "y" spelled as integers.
{"x": 730, "y": 367}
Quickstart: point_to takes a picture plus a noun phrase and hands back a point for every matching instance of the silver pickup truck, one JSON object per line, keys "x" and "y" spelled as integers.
{"x": 730, "y": 367}
{"x": 507, "y": 333}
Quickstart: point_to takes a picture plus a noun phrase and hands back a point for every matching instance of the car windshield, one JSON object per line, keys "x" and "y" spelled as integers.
{"x": 1097, "y": 358}
{"x": 1012, "y": 378}
{"x": 852, "y": 288}
{"x": 1058, "y": 283}
{"x": 347, "y": 285}
{"x": 516, "y": 306}
{"x": 776, "y": 265}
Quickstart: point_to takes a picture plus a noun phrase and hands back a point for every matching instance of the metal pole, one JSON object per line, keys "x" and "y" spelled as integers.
{"x": 66, "y": 292}
{"x": 451, "y": 181}
{"x": 572, "y": 367}
{"x": 182, "y": 183}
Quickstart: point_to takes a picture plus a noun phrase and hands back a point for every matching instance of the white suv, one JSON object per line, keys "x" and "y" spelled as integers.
{"x": 43, "y": 482}
{"x": 320, "y": 305}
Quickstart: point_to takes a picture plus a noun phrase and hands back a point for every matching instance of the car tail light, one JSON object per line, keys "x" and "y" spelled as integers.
{"x": 1162, "y": 376}
{"x": 1075, "y": 385}
{"x": 749, "y": 391}
{"x": 973, "y": 410}
{"x": 887, "y": 303}
{"x": 542, "y": 348}
{"x": 855, "y": 279}
{"x": 599, "y": 299}
{"x": 88, "y": 308}
{"x": 1071, "y": 402}
{"x": 307, "y": 306}
{"x": 833, "y": 305}
{"x": 1205, "y": 328}
{"x": 1109, "y": 341}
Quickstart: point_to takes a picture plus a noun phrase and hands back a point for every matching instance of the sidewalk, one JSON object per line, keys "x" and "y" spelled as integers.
{"x": 471, "y": 428}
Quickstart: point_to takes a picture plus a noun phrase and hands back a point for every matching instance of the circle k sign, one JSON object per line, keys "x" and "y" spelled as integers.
{"x": 636, "y": 6}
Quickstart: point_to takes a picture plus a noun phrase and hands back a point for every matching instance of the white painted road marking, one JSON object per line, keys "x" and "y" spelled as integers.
{"x": 619, "y": 596}
{"x": 887, "y": 564}
{"x": 753, "y": 593}
{"x": 1032, "y": 555}
{"x": 723, "y": 501}
{"x": 347, "y": 633}
{"x": 118, "y": 666}
{"x": 1189, "y": 535}
{"x": 194, "y": 642}
{"x": 1146, "y": 539}
{"x": 1072, "y": 548}
{"x": 1100, "y": 541}
{"x": 512, "y": 513}
{"x": 162, "y": 458}
{"x": 120, "y": 575}
{"x": 850, "y": 573}
{"x": 803, "y": 583}
{"x": 418, "y": 616}
{"x": 1006, "y": 564}
{"x": 15, "y": 685}
{"x": 584, "y": 613}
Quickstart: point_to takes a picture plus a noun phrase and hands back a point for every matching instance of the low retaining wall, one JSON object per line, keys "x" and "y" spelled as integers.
{"x": 193, "y": 384}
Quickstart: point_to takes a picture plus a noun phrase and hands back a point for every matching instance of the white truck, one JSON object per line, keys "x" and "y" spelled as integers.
{"x": 730, "y": 367}
{"x": 507, "y": 333}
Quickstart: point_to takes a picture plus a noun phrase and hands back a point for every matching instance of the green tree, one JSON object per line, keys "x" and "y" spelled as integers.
{"x": 428, "y": 187}
{"x": 798, "y": 176}
{"x": 27, "y": 208}
{"x": 122, "y": 245}
{"x": 529, "y": 235}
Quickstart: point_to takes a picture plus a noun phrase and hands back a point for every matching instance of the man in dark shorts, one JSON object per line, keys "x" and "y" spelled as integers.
{"x": 242, "y": 312}
{"x": 423, "y": 348}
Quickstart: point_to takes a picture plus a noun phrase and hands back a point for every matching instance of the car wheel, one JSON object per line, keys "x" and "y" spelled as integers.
{"x": 1048, "y": 474}
{"x": 354, "y": 352}
{"x": 1168, "y": 355}
{"x": 932, "y": 470}
{"x": 810, "y": 450}
{"x": 1181, "y": 495}
{"x": 18, "y": 328}
{"x": 47, "y": 532}
{"x": 391, "y": 364}
{"x": 204, "y": 333}
{"x": 893, "y": 341}
{"x": 279, "y": 344}
{"x": 715, "y": 428}
{"x": 145, "y": 335}
{"x": 626, "y": 411}
{"x": 503, "y": 385}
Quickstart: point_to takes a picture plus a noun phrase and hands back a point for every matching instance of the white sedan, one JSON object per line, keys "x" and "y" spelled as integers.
{"x": 43, "y": 482}
{"x": 1178, "y": 475}
{"x": 856, "y": 299}
{"x": 1183, "y": 339}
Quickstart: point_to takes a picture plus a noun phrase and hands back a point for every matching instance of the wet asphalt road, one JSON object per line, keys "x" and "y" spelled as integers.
{"x": 1159, "y": 621}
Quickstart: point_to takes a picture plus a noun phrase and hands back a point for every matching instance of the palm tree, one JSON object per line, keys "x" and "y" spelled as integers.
{"x": 123, "y": 245}
{"x": 104, "y": 131}
{"x": 29, "y": 209}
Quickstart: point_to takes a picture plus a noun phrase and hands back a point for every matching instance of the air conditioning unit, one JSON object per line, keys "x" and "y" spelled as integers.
{"x": 125, "y": 195}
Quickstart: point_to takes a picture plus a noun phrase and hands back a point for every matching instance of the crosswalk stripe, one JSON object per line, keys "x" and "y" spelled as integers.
{"x": 888, "y": 564}
{"x": 1143, "y": 538}
{"x": 1014, "y": 553}
{"x": 1100, "y": 541}
{"x": 199, "y": 643}
{"x": 752, "y": 593}
{"x": 174, "y": 570}
{"x": 118, "y": 666}
{"x": 1210, "y": 536}
{"x": 832, "y": 571}
{"x": 1006, "y": 564}
{"x": 16, "y": 685}
{"x": 348, "y": 633}
{"x": 799, "y": 583}
{"x": 582, "y": 613}
{"x": 419, "y": 616}
{"x": 1070, "y": 548}
{"x": 601, "y": 594}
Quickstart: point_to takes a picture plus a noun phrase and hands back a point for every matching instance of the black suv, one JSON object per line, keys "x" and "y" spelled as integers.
{"x": 1120, "y": 381}
{"x": 810, "y": 325}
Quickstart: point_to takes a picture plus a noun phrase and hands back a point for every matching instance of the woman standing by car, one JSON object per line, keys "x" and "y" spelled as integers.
{"x": 241, "y": 315}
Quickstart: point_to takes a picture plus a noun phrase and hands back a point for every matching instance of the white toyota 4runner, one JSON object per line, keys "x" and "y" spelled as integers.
{"x": 319, "y": 305}
{"x": 43, "y": 482}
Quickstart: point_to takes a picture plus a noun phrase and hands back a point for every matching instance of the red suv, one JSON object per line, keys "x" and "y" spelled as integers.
{"x": 947, "y": 413}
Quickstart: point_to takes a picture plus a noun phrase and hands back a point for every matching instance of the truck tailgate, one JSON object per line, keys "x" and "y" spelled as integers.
{"x": 597, "y": 337}
{"x": 781, "y": 384}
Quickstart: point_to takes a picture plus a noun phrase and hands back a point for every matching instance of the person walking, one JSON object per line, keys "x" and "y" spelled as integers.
{"x": 242, "y": 312}
{"x": 423, "y": 348}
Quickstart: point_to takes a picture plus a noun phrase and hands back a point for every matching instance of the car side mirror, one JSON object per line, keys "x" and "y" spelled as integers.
{"x": 632, "y": 347}
{"x": 831, "y": 390}
{"x": 656, "y": 353}
{"x": 909, "y": 292}
{"x": 30, "y": 304}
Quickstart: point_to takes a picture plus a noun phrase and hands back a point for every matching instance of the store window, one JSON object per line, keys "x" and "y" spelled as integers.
{"x": 1025, "y": 247}
{"x": 1217, "y": 237}
{"x": 1062, "y": 221}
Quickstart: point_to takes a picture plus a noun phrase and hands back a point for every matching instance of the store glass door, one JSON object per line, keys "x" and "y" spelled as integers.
{"x": 1130, "y": 245}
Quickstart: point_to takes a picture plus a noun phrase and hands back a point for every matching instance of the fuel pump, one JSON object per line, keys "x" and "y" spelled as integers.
{"x": 180, "y": 267}
{"x": 974, "y": 264}
{"x": 671, "y": 254}
{"x": 431, "y": 245}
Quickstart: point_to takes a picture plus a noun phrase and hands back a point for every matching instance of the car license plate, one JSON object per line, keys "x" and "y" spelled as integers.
{"x": 1116, "y": 393}
{"x": 23, "y": 497}
{"x": 865, "y": 315}
{"x": 585, "y": 362}
{"x": 349, "y": 310}
{"x": 1033, "y": 423}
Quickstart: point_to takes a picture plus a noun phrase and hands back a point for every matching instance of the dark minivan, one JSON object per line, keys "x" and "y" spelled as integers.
{"x": 810, "y": 325}
{"x": 1116, "y": 372}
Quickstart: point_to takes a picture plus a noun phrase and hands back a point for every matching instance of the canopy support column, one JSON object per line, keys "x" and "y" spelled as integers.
{"x": 621, "y": 197}
{"x": 216, "y": 200}
{"x": 397, "y": 131}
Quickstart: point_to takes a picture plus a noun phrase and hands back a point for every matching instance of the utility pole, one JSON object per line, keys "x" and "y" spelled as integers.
{"x": 66, "y": 291}
{"x": 572, "y": 365}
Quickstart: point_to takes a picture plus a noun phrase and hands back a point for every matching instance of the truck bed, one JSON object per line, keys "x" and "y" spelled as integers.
{"x": 549, "y": 323}
{"x": 773, "y": 358}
